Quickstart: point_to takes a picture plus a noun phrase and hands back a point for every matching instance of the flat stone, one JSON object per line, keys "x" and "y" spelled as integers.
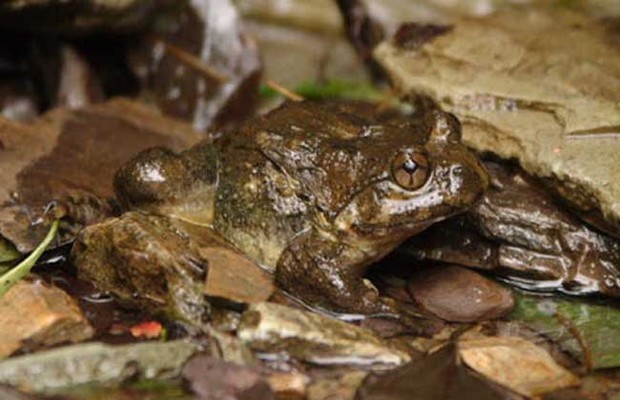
{"x": 210, "y": 378}
{"x": 342, "y": 388}
{"x": 457, "y": 294}
{"x": 147, "y": 261}
{"x": 314, "y": 338}
{"x": 34, "y": 315}
{"x": 233, "y": 276}
{"x": 96, "y": 363}
{"x": 289, "y": 385}
{"x": 517, "y": 364}
{"x": 526, "y": 86}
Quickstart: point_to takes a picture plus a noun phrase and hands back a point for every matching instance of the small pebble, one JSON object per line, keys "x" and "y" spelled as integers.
{"x": 456, "y": 294}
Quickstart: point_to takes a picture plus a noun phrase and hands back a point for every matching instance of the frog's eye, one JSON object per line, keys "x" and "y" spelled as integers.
{"x": 410, "y": 170}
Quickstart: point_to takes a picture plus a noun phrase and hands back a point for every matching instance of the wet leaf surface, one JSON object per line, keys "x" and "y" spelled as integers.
{"x": 587, "y": 330}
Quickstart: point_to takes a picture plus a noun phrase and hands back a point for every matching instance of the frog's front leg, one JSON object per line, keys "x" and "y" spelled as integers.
{"x": 329, "y": 274}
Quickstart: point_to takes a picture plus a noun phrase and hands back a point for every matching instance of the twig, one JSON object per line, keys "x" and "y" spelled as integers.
{"x": 191, "y": 61}
{"x": 289, "y": 94}
{"x": 585, "y": 349}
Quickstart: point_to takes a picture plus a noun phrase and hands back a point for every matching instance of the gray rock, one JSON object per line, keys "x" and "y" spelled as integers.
{"x": 95, "y": 363}
{"x": 539, "y": 87}
{"x": 314, "y": 338}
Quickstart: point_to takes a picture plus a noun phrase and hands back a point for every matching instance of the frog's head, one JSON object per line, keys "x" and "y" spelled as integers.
{"x": 421, "y": 174}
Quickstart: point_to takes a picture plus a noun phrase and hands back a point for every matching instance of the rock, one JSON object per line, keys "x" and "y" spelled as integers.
{"x": 302, "y": 43}
{"x": 314, "y": 338}
{"x": 167, "y": 265}
{"x": 524, "y": 85}
{"x": 213, "y": 379}
{"x": 72, "y": 156}
{"x": 147, "y": 261}
{"x": 517, "y": 364}
{"x": 457, "y": 294}
{"x": 440, "y": 375}
{"x": 77, "y": 16}
{"x": 233, "y": 276}
{"x": 228, "y": 347}
{"x": 341, "y": 388}
{"x": 199, "y": 65}
{"x": 35, "y": 315}
{"x": 96, "y": 363}
{"x": 78, "y": 85}
{"x": 10, "y": 393}
{"x": 289, "y": 385}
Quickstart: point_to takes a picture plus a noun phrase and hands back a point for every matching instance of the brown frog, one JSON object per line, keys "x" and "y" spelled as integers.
{"x": 315, "y": 192}
{"x": 518, "y": 230}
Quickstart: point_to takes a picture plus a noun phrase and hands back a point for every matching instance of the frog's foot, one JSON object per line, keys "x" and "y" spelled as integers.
{"x": 328, "y": 274}
{"x": 81, "y": 207}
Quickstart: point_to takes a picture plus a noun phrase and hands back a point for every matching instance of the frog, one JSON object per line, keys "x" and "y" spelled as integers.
{"x": 315, "y": 191}
{"x": 532, "y": 239}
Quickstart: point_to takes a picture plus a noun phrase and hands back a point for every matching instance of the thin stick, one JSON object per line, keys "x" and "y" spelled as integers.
{"x": 585, "y": 349}
{"x": 192, "y": 61}
{"x": 284, "y": 91}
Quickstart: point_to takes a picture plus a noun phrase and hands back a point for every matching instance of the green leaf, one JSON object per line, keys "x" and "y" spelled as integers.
{"x": 335, "y": 89}
{"x": 567, "y": 321}
{"x": 339, "y": 89}
{"x": 21, "y": 270}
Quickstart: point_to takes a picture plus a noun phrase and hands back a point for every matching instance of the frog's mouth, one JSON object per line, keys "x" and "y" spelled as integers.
{"x": 397, "y": 229}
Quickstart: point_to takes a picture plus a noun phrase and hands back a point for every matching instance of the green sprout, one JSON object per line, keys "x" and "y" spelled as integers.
{"x": 8, "y": 279}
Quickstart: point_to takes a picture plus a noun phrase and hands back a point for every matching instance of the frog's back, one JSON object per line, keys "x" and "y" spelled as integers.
{"x": 297, "y": 167}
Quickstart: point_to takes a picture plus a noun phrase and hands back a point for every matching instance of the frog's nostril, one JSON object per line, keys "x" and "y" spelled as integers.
{"x": 445, "y": 127}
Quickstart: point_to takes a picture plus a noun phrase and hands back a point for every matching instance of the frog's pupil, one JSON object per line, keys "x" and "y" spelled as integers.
{"x": 410, "y": 166}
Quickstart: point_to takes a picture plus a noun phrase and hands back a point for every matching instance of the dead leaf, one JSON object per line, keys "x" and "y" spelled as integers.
{"x": 73, "y": 155}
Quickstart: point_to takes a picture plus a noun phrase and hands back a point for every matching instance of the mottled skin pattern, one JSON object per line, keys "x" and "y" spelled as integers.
{"x": 316, "y": 191}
